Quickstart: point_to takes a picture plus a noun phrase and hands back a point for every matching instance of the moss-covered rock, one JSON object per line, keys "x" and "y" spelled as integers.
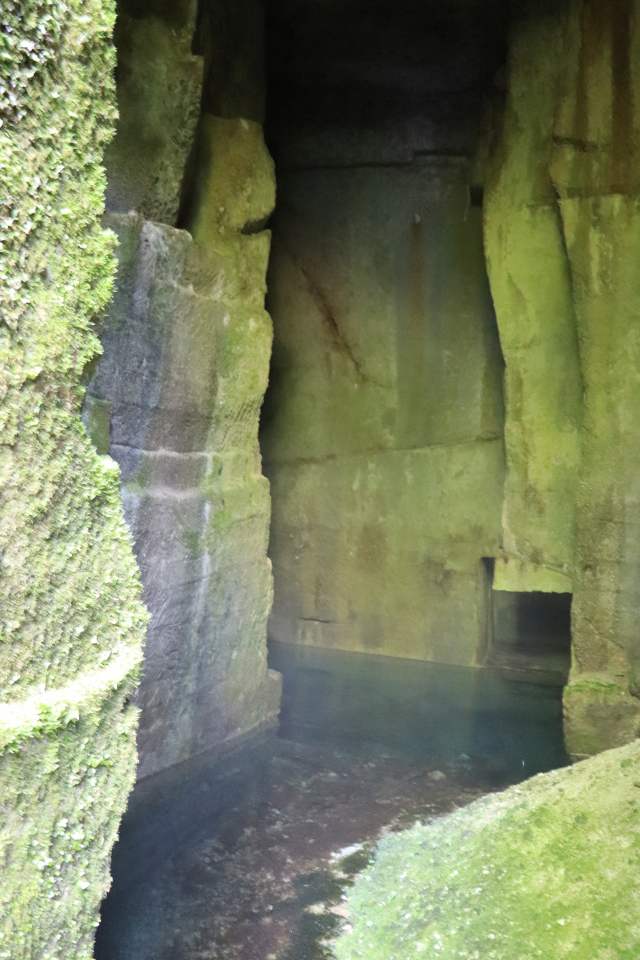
{"x": 532, "y": 293}
{"x": 561, "y": 231}
{"x": 64, "y": 784}
{"x": 71, "y": 621}
{"x": 603, "y": 235}
{"x": 595, "y": 172}
{"x": 159, "y": 91}
{"x": 185, "y": 367}
{"x": 547, "y": 869}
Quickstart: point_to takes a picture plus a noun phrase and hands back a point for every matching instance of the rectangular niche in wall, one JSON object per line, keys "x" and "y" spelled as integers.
{"x": 531, "y": 634}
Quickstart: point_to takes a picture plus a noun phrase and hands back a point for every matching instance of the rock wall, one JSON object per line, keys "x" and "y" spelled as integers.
{"x": 562, "y": 214}
{"x": 385, "y": 392}
{"x": 177, "y": 394}
{"x": 532, "y": 292}
{"x": 383, "y": 426}
{"x": 71, "y": 620}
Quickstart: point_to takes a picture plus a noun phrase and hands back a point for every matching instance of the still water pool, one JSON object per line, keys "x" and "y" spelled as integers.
{"x": 247, "y": 856}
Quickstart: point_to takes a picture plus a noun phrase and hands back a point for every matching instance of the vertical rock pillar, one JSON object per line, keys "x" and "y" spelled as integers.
{"x": 596, "y": 171}
{"x": 177, "y": 395}
{"x": 532, "y": 293}
{"x": 562, "y": 232}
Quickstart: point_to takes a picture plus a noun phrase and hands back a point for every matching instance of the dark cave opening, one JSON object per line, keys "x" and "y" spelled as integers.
{"x": 386, "y": 360}
{"x": 532, "y": 632}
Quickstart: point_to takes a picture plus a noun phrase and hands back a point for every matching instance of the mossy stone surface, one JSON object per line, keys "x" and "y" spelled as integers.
{"x": 185, "y": 367}
{"x": 63, "y": 793}
{"x": 159, "y": 90}
{"x": 594, "y": 169}
{"x": 547, "y": 869}
{"x": 183, "y": 379}
{"x": 561, "y": 231}
{"x": 71, "y": 620}
{"x": 532, "y": 291}
{"x": 602, "y": 235}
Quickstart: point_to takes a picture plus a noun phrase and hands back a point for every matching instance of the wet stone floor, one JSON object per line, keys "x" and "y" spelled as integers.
{"x": 250, "y": 860}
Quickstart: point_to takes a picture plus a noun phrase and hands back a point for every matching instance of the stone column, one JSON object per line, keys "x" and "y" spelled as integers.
{"x": 596, "y": 171}
{"x": 177, "y": 395}
{"x": 562, "y": 231}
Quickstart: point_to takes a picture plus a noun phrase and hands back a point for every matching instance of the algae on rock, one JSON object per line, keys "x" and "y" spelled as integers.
{"x": 546, "y": 869}
{"x": 159, "y": 89}
{"x": 561, "y": 232}
{"x": 595, "y": 171}
{"x": 186, "y": 347}
{"x": 532, "y": 292}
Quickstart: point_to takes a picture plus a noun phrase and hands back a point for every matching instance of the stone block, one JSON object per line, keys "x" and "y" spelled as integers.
{"x": 382, "y": 554}
{"x": 551, "y": 863}
{"x": 159, "y": 93}
{"x": 409, "y": 356}
{"x": 531, "y": 285}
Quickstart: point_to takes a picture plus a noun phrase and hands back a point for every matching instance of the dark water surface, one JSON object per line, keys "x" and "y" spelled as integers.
{"x": 247, "y": 857}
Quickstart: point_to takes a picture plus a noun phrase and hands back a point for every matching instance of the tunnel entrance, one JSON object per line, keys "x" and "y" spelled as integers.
{"x": 408, "y": 688}
{"x": 531, "y": 633}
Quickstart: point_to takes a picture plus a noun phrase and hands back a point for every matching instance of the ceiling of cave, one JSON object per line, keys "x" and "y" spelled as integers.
{"x": 345, "y": 63}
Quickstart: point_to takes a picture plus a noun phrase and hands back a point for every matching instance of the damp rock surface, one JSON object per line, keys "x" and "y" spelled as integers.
{"x": 561, "y": 224}
{"x": 175, "y": 398}
{"x": 159, "y": 91}
{"x": 546, "y": 869}
{"x": 180, "y": 383}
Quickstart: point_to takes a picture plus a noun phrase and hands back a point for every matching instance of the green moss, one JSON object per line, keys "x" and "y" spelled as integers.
{"x": 562, "y": 222}
{"x": 234, "y": 188}
{"x": 62, "y": 796}
{"x": 71, "y": 621}
{"x": 532, "y": 292}
{"x": 159, "y": 93}
{"x": 97, "y": 420}
{"x": 547, "y": 869}
{"x": 356, "y": 862}
{"x": 601, "y": 687}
